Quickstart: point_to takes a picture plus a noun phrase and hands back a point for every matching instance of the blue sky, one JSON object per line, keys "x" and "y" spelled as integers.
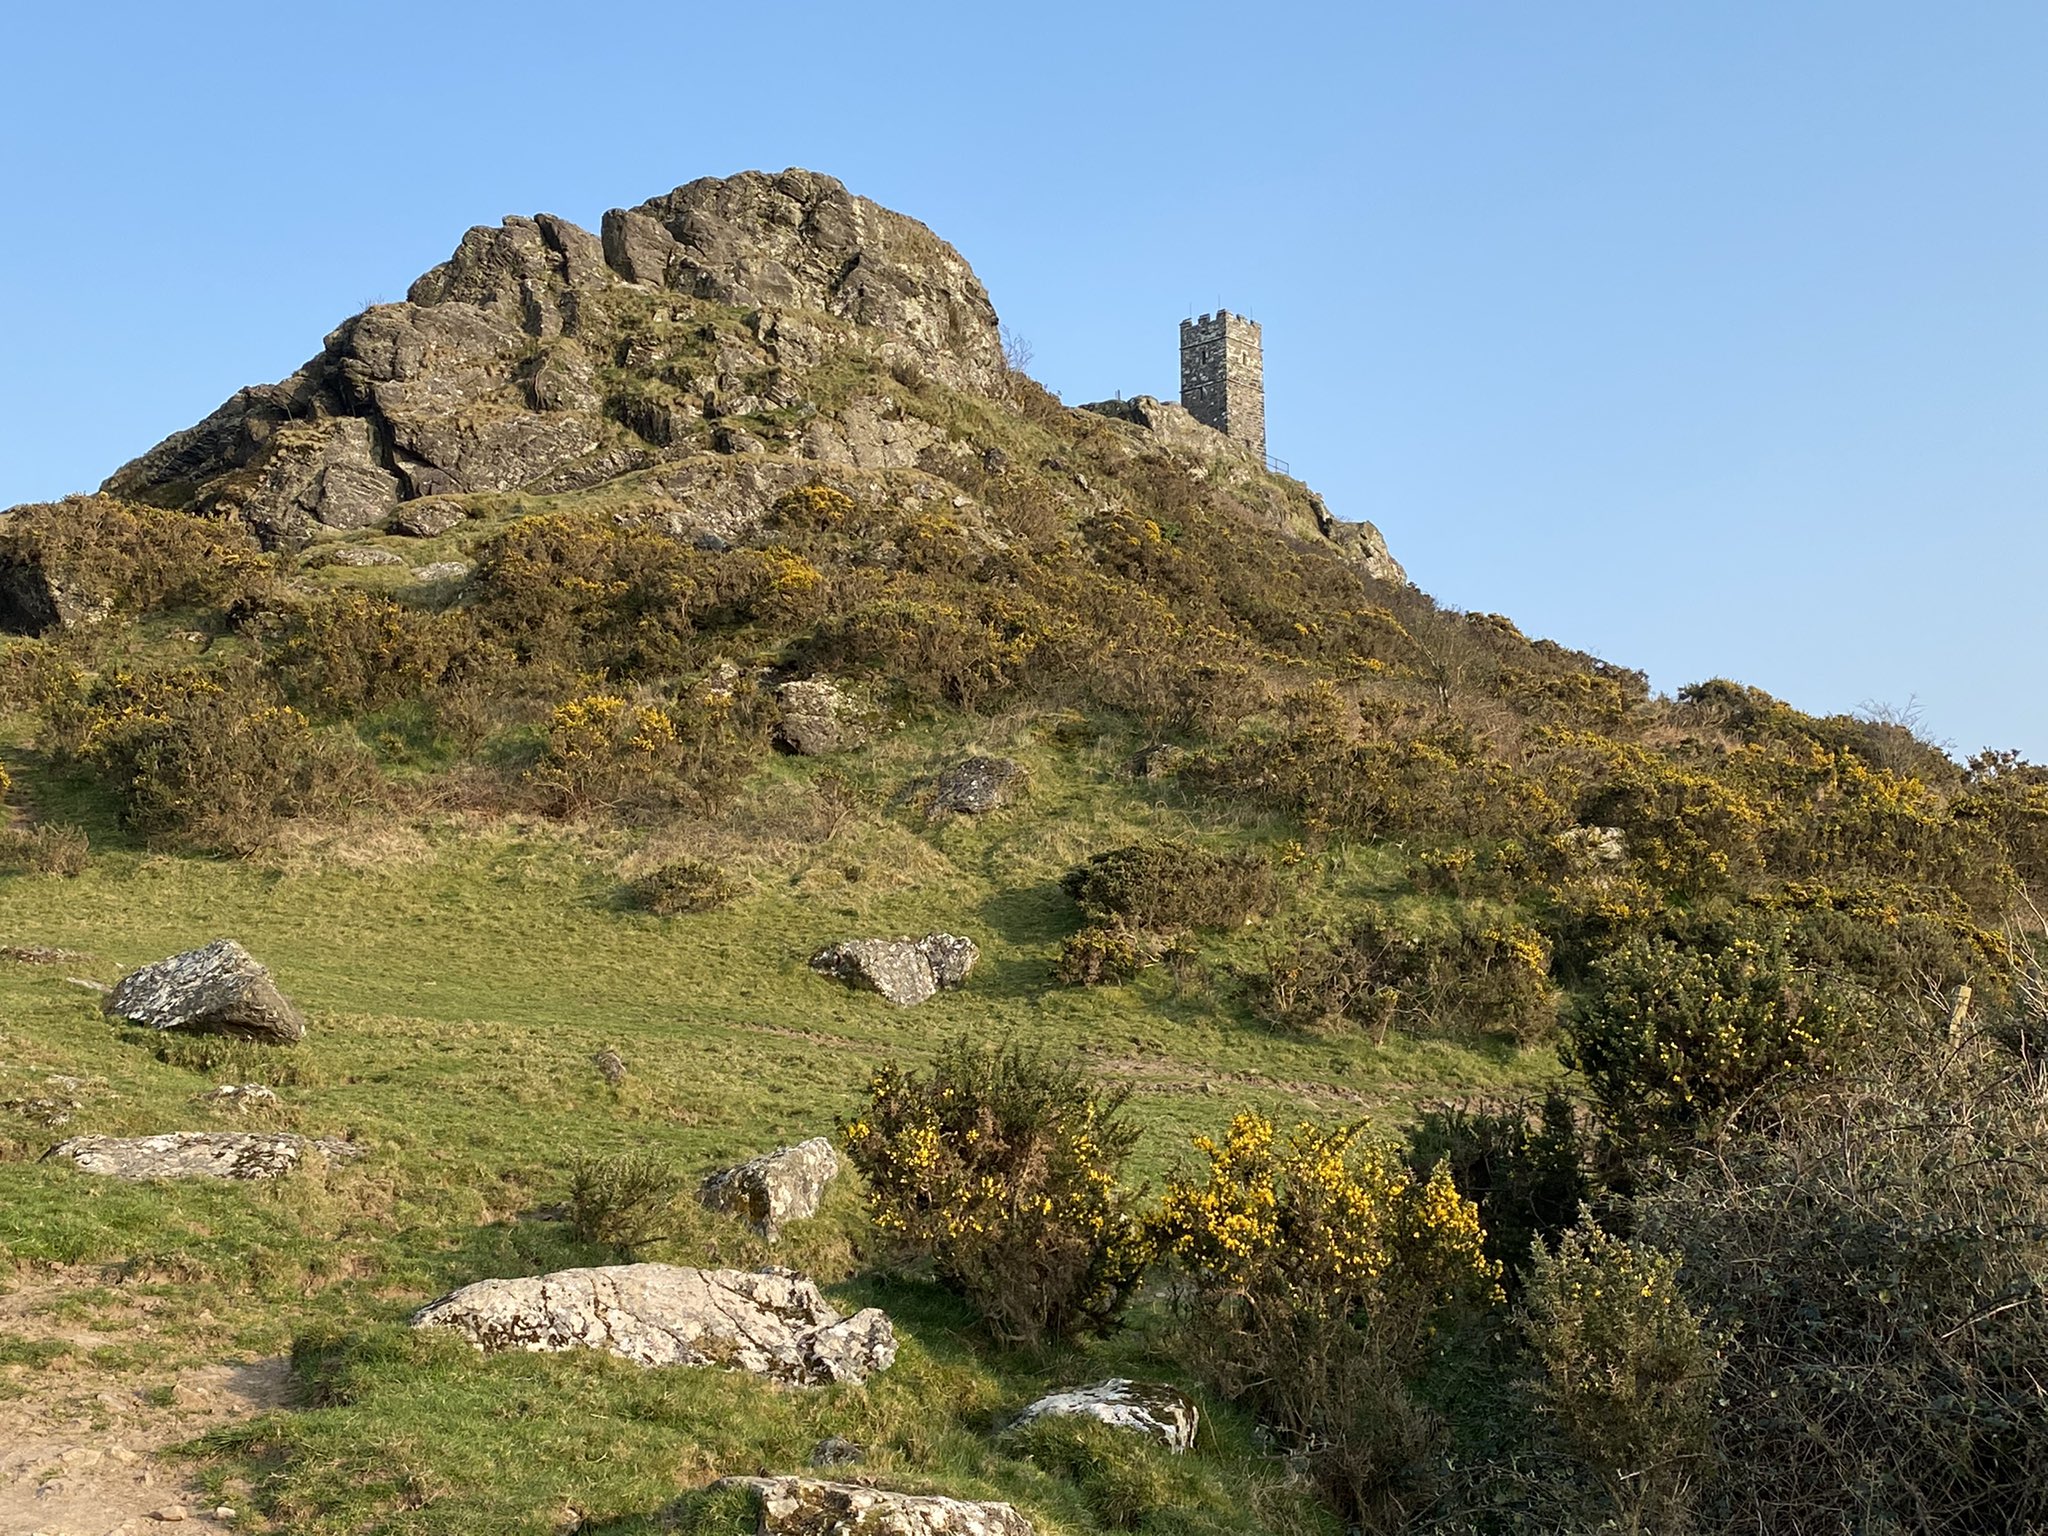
{"x": 1709, "y": 335}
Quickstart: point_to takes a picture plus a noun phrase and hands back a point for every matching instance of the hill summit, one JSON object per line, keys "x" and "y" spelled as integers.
{"x": 727, "y": 318}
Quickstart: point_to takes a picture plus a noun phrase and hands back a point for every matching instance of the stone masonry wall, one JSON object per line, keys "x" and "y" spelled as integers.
{"x": 1223, "y": 376}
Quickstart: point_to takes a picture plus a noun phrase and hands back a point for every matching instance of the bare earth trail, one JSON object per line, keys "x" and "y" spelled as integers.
{"x": 79, "y": 1448}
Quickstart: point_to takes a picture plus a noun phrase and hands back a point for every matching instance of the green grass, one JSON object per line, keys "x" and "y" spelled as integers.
{"x": 458, "y": 979}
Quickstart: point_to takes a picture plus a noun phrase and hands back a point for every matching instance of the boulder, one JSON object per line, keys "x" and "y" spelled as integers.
{"x": 193, "y": 1154}
{"x": 816, "y": 718}
{"x": 443, "y": 570}
{"x": 803, "y": 1506}
{"x": 220, "y": 989}
{"x": 976, "y": 785}
{"x": 1165, "y": 1413}
{"x": 776, "y": 1188}
{"x": 770, "y": 1322}
{"x": 905, "y": 971}
{"x": 426, "y": 519}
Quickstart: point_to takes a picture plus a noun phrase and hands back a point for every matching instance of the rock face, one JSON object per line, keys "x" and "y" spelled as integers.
{"x": 778, "y": 1187}
{"x": 977, "y": 785}
{"x": 770, "y": 1322}
{"x": 220, "y": 989}
{"x": 185, "y": 1155}
{"x": 486, "y": 377}
{"x": 905, "y": 971}
{"x": 1165, "y": 1413}
{"x": 802, "y": 1506}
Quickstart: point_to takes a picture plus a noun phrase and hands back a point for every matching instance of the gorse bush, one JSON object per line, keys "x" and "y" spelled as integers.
{"x": 683, "y": 885}
{"x": 1001, "y": 1167}
{"x": 1629, "y": 1373}
{"x": 213, "y": 759}
{"x": 1525, "y": 1166}
{"x": 1311, "y": 1278}
{"x": 603, "y": 752}
{"x": 1102, "y": 954}
{"x": 1876, "y": 1246}
{"x": 1487, "y": 975}
{"x": 1672, "y": 1039}
{"x": 625, "y": 1203}
{"x": 124, "y": 558}
{"x": 1170, "y": 884}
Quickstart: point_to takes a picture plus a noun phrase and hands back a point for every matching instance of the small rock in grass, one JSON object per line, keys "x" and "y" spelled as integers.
{"x": 977, "y": 785}
{"x": 192, "y": 1155}
{"x": 803, "y": 1506}
{"x": 905, "y": 971}
{"x": 611, "y": 1066}
{"x": 836, "y": 1451}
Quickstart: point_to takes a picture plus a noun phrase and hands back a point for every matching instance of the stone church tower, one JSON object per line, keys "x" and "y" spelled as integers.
{"x": 1223, "y": 376}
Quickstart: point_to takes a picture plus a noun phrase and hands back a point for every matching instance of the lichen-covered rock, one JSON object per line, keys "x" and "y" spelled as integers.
{"x": 219, "y": 989}
{"x": 185, "y": 1155}
{"x": 1165, "y": 1413}
{"x": 950, "y": 957}
{"x": 976, "y": 785}
{"x": 803, "y": 1506}
{"x": 815, "y": 718}
{"x": 443, "y": 570}
{"x": 769, "y": 1322}
{"x": 357, "y": 555}
{"x": 426, "y": 519}
{"x": 776, "y": 1188}
{"x": 905, "y": 971}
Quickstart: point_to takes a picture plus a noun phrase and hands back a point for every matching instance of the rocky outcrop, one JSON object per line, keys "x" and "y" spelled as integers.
{"x": 803, "y": 1506}
{"x": 768, "y": 1322}
{"x": 221, "y": 989}
{"x": 486, "y": 377}
{"x": 977, "y": 785}
{"x": 194, "y": 1154}
{"x": 905, "y": 971}
{"x": 772, "y": 1190}
{"x": 801, "y": 241}
{"x": 1165, "y": 1413}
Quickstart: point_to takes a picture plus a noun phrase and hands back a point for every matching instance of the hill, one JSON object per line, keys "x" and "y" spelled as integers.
{"x": 563, "y": 658}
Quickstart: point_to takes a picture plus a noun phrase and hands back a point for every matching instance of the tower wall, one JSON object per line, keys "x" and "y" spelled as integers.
{"x": 1223, "y": 376}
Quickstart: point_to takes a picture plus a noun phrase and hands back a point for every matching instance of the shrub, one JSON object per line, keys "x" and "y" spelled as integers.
{"x": 112, "y": 555}
{"x": 1629, "y": 1373}
{"x": 1486, "y": 975}
{"x": 1311, "y": 1279}
{"x": 1102, "y": 954}
{"x": 1877, "y": 1245}
{"x": 211, "y": 759}
{"x": 1673, "y": 1039}
{"x": 603, "y": 752}
{"x": 683, "y": 885}
{"x": 625, "y": 1203}
{"x": 1522, "y": 1165}
{"x": 1001, "y": 1168}
{"x": 52, "y": 848}
{"x": 1173, "y": 884}
{"x": 353, "y": 652}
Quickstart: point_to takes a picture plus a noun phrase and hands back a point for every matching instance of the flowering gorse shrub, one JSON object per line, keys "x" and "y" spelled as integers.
{"x": 605, "y": 752}
{"x": 1628, "y": 1371}
{"x": 1001, "y": 1167}
{"x": 1313, "y": 1278}
{"x": 1673, "y": 1038}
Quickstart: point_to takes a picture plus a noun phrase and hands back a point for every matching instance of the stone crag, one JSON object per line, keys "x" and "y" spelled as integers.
{"x": 697, "y": 350}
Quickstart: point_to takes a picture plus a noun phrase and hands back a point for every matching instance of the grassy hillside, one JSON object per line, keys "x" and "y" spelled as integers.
{"x": 422, "y": 791}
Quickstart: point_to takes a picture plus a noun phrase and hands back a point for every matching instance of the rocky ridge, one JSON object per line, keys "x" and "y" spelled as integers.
{"x": 697, "y": 350}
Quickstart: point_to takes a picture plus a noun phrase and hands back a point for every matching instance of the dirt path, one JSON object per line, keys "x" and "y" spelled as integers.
{"x": 79, "y": 1443}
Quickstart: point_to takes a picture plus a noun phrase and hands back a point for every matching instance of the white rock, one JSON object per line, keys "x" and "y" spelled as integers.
{"x": 1148, "y": 1408}
{"x": 803, "y": 1506}
{"x": 770, "y": 1322}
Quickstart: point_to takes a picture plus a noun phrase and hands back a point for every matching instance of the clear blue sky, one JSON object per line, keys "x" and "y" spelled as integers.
{"x": 1709, "y": 335}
